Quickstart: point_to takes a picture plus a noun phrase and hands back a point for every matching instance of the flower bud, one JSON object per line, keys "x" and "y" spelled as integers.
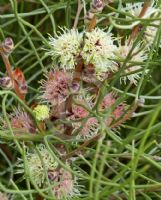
{"x": 41, "y": 112}
{"x": 97, "y": 6}
{"x": 8, "y": 45}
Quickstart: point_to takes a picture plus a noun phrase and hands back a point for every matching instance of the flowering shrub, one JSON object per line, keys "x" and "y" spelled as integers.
{"x": 72, "y": 132}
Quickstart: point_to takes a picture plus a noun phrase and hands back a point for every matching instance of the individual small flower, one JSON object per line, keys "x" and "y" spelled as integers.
{"x": 116, "y": 111}
{"x": 56, "y": 87}
{"x": 89, "y": 129}
{"x": 119, "y": 111}
{"x": 131, "y": 72}
{"x": 65, "y": 184}
{"x": 98, "y": 50}
{"x": 79, "y": 112}
{"x": 41, "y": 112}
{"x": 108, "y": 100}
{"x": 66, "y": 48}
{"x": 21, "y": 122}
{"x": 3, "y": 196}
{"x": 85, "y": 127}
{"x": 37, "y": 167}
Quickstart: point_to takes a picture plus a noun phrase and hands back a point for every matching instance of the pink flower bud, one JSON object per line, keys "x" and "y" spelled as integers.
{"x": 97, "y": 5}
{"x": 8, "y": 45}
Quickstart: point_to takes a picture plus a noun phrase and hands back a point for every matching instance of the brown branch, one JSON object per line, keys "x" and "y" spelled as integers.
{"x": 75, "y": 81}
{"x": 92, "y": 24}
{"x": 5, "y": 49}
{"x": 81, "y": 147}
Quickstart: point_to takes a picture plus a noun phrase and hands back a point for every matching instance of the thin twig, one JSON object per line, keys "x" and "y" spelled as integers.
{"x": 79, "y": 9}
{"x": 81, "y": 147}
{"x": 6, "y": 48}
{"x": 9, "y": 72}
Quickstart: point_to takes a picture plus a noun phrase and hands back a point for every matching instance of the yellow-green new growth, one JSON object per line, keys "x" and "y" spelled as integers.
{"x": 41, "y": 112}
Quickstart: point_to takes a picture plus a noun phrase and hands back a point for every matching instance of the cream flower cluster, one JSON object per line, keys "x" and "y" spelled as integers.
{"x": 66, "y": 48}
{"x": 99, "y": 50}
{"x": 64, "y": 185}
{"x": 151, "y": 13}
{"x": 96, "y": 47}
{"x": 37, "y": 164}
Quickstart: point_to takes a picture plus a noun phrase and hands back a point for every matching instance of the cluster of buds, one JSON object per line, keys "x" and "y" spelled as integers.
{"x": 96, "y": 7}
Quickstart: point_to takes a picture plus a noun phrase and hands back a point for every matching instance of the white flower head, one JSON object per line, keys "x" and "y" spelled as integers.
{"x": 98, "y": 50}
{"x": 37, "y": 167}
{"x": 152, "y": 12}
{"x": 66, "y": 48}
{"x": 131, "y": 72}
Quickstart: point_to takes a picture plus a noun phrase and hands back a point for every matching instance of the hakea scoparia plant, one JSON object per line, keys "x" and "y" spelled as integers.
{"x": 75, "y": 96}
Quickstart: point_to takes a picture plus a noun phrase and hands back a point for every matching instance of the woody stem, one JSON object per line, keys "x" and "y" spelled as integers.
{"x": 9, "y": 72}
